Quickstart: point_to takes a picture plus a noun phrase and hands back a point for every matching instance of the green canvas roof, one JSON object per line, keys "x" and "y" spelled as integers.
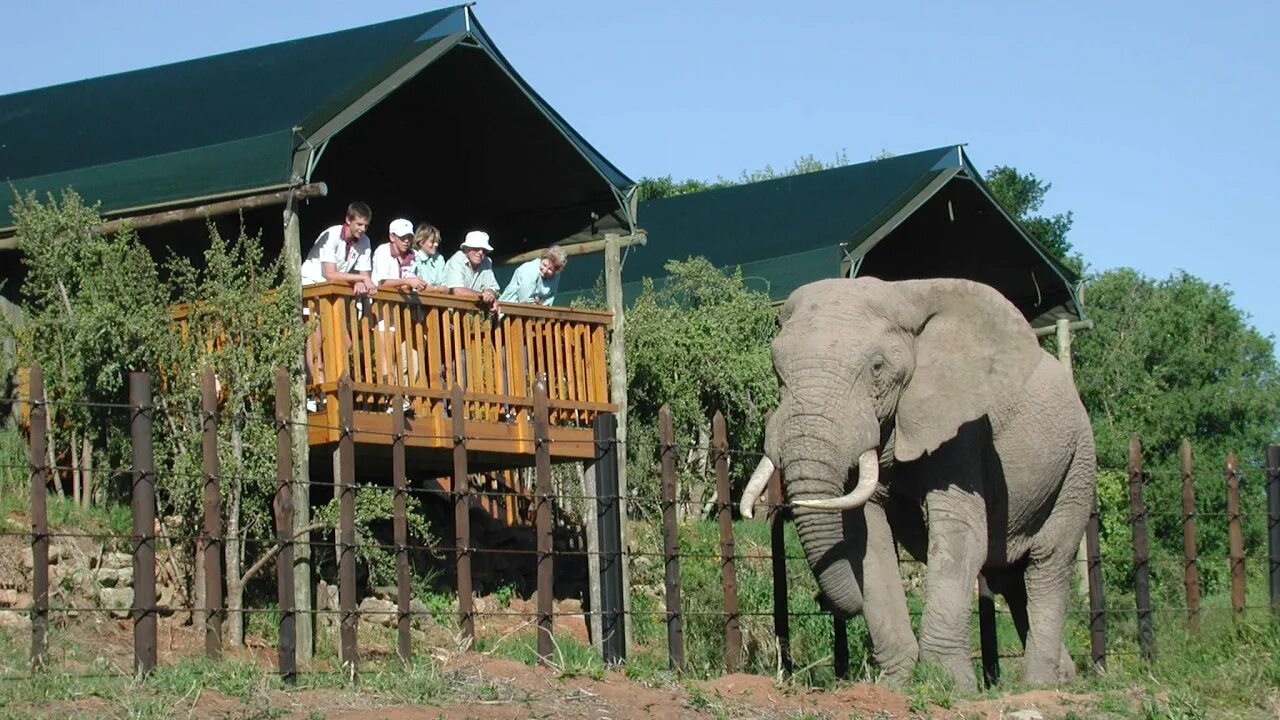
{"x": 262, "y": 118}
{"x": 926, "y": 214}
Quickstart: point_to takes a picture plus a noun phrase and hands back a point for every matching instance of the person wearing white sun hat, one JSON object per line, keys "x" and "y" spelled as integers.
{"x": 469, "y": 273}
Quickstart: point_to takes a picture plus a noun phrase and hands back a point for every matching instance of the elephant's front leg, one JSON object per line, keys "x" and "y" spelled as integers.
{"x": 957, "y": 549}
{"x": 885, "y": 602}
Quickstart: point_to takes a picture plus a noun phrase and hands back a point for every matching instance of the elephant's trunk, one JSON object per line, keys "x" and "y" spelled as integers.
{"x": 822, "y": 534}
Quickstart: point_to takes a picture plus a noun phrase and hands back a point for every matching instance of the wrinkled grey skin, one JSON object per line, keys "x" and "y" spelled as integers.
{"x": 986, "y": 456}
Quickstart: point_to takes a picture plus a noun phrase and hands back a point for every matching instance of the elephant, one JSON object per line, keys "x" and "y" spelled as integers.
{"x": 964, "y": 442}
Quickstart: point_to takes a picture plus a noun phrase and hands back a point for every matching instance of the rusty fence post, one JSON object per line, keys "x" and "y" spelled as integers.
{"x": 144, "y": 524}
{"x": 212, "y": 537}
{"x": 987, "y": 633}
{"x": 1273, "y": 526}
{"x": 728, "y": 565}
{"x": 546, "y": 559}
{"x": 778, "y": 559}
{"x": 400, "y": 528}
{"x": 670, "y": 541}
{"x": 1141, "y": 551}
{"x": 462, "y": 518}
{"x": 1235, "y": 535}
{"x": 347, "y": 527}
{"x": 1191, "y": 564}
{"x": 1097, "y": 599}
{"x": 39, "y": 467}
{"x": 288, "y": 646}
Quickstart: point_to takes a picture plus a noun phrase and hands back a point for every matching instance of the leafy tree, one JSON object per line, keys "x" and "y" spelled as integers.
{"x": 1022, "y": 195}
{"x": 700, "y": 343}
{"x": 1174, "y": 359}
{"x": 656, "y": 188}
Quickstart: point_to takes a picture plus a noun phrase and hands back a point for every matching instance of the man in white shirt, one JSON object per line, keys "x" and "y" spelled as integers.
{"x": 393, "y": 260}
{"x": 469, "y": 272}
{"x": 341, "y": 253}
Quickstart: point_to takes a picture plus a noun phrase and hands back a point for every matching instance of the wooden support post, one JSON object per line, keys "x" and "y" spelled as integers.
{"x": 400, "y": 529}
{"x": 39, "y": 467}
{"x": 1097, "y": 600}
{"x": 987, "y": 633}
{"x": 728, "y": 566}
{"x": 288, "y": 650}
{"x": 347, "y": 528}
{"x": 1191, "y": 563}
{"x": 144, "y": 524}
{"x": 1141, "y": 554}
{"x": 302, "y": 600}
{"x": 546, "y": 559}
{"x": 618, "y": 394}
{"x": 778, "y": 559}
{"x": 1273, "y": 526}
{"x": 594, "y": 507}
{"x": 212, "y": 517}
{"x": 670, "y": 541}
{"x": 462, "y": 518}
{"x": 1235, "y": 535}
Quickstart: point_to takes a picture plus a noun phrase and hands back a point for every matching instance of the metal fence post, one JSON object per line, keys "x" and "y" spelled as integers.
{"x": 778, "y": 559}
{"x": 987, "y": 633}
{"x": 1141, "y": 553}
{"x": 462, "y": 518}
{"x": 840, "y": 641}
{"x": 144, "y": 524}
{"x": 1235, "y": 535}
{"x": 546, "y": 559}
{"x": 400, "y": 529}
{"x": 1191, "y": 565}
{"x": 1273, "y": 525}
{"x": 288, "y": 650}
{"x": 39, "y": 466}
{"x": 347, "y": 526}
{"x": 728, "y": 565}
{"x": 212, "y": 549}
{"x": 608, "y": 511}
{"x": 670, "y": 541}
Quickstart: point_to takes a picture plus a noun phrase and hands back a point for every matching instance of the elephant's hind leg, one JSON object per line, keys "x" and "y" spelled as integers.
{"x": 1011, "y": 583}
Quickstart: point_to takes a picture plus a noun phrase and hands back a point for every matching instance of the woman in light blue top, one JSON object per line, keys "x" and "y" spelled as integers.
{"x": 428, "y": 263}
{"x": 537, "y": 280}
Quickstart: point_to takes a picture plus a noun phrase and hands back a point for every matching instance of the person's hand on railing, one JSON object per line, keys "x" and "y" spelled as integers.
{"x": 363, "y": 287}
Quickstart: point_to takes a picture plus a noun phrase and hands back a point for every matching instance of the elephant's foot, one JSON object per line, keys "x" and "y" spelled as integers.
{"x": 959, "y": 667}
{"x": 1040, "y": 672}
{"x": 897, "y": 676}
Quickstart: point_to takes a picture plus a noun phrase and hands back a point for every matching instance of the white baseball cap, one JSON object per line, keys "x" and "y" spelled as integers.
{"x": 401, "y": 227}
{"x": 477, "y": 239}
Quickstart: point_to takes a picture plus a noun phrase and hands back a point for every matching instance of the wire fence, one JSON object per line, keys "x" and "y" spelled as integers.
{"x": 554, "y": 529}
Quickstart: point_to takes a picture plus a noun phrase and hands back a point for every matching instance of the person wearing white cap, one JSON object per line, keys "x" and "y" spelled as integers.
{"x": 469, "y": 272}
{"x": 393, "y": 260}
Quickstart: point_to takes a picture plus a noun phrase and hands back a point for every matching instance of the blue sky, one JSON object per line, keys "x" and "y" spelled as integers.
{"x": 1153, "y": 120}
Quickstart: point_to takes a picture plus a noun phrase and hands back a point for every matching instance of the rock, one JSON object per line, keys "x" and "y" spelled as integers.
{"x": 116, "y": 561}
{"x": 15, "y": 620}
{"x": 420, "y": 614}
{"x": 23, "y": 601}
{"x": 118, "y": 600}
{"x": 8, "y": 597}
{"x": 114, "y": 577}
{"x": 379, "y": 611}
{"x": 1027, "y": 714}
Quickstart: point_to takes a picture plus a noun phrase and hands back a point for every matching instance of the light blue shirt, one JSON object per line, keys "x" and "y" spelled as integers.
{"x": 429, "y": 267}
{"x": 528, "y": 286}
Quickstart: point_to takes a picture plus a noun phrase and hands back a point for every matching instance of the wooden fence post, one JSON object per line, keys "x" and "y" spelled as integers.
{"x": 1273, "y": 526}
{"x": 1235, "y": 536}
{"x": 288, "y": 650}
{"x": 39, "y": 466}
{"x": 1141, "y": 552}
{"x": 670, "y": 540}
{"x": 347, "y": 527}
{"x": 1191, "y": 565}
{"x": 144, "y": 524}
{"x": 400, "y": 528}
{"x": 1097, "y": 604}
{"x": 542, "y": 461}
{"x": 211, "y": 469}
{"x": 778, "y": 559}
{"x": 728, "y": 566}
{"x": 462, "y": 518}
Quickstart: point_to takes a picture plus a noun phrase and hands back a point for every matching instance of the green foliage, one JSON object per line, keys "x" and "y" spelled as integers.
{"x": 656, "y": 188}
{"x": 1175, "y": 359}
{"x": 374, "y": 504}
{"x": 1022, "y": 195}
{"x": 699, "y": 343}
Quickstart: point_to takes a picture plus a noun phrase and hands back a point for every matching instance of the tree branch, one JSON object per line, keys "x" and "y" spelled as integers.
{"x": 275, "y": 549}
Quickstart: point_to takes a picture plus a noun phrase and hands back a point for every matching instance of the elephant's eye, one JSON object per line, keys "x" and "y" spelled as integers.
{"x": 877, "y": 366}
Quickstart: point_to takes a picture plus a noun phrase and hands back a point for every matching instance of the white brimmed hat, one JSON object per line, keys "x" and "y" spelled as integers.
{"x": 477, "y": 239}
{"x": 401, "y": 227}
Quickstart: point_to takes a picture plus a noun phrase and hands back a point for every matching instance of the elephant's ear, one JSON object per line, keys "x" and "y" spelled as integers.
{"x": 973, "y": 351}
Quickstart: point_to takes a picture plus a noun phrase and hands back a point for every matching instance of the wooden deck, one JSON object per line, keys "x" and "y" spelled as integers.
{"x": 420, "y": 345}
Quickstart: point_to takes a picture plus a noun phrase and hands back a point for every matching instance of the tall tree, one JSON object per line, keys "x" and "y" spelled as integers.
{"x": 1022, "y": 195}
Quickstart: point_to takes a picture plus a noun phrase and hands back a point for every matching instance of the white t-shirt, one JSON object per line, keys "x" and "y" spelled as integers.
{"x": 386, "y": 266}
{"x": 331, "y": 248}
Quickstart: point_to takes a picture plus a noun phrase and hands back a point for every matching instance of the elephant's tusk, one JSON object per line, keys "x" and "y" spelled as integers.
{"x": 868, "y": 478}
{"x": 756, "y": 485}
